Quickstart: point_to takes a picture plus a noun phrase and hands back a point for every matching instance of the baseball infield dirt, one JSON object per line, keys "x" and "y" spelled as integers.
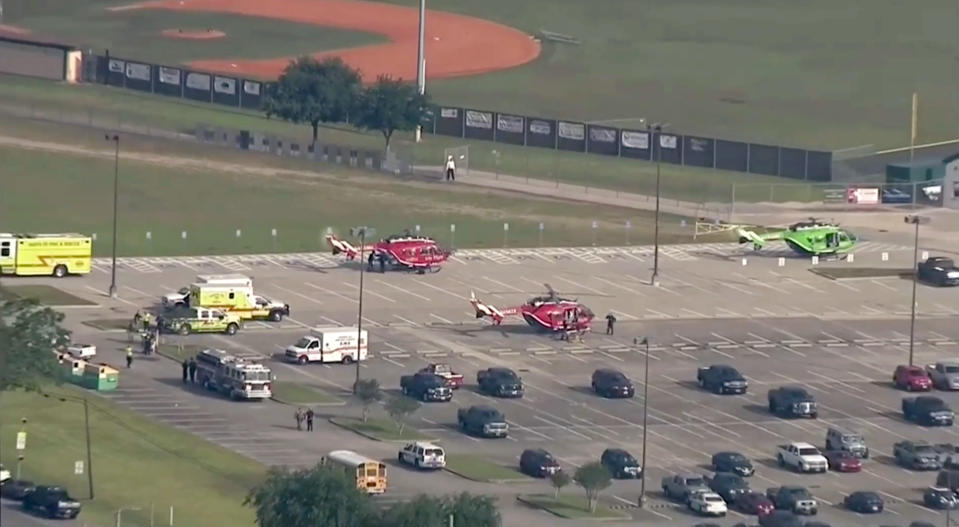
{"x": 456, "y": 45}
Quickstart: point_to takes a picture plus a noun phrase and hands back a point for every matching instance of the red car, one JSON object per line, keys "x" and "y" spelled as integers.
{"x": 842, "y": 461}
{"x": 754, "y": 503}
{"x": 911, "y": 379}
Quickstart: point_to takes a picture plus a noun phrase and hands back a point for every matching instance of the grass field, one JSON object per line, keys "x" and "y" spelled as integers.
{"x": 114, "y": 107}
{"x": 211, "y": 200}
{"x": 136, "y": 463}
{"x": 815, "y": 74}
{"x": 478, "y": 468}
{"x": 572, "y": 507}
{"x": 379, "y": 429}
{"x": 136, "y": 34}
{"x": 44, "y": 294}
{"x": 296, "y": 393}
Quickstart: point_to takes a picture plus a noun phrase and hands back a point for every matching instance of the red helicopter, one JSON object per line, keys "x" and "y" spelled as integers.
{"x": 399, "y": 251}
{"x": 546, "y": 313}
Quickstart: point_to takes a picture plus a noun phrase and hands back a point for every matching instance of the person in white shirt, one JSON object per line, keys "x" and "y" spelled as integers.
{"x": 450, "y": 169}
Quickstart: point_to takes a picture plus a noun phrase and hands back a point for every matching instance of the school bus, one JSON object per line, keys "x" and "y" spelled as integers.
{"x": 370, "y": 474}
{"x": 45, "y": 254}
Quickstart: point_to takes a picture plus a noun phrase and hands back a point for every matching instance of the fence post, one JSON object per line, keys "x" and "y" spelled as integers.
{"x": 732, "y": 205}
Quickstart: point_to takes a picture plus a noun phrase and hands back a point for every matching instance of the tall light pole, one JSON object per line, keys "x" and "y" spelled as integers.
{"x": 421, "y": 62}
{"x": 642, "y": 488}
{"x": 362, "y": 232}
{"x": 916, "y": 220}
{"x": 86, "y": 424}
{"x": 658, "y": 128}
{"x": 116, "y": 192}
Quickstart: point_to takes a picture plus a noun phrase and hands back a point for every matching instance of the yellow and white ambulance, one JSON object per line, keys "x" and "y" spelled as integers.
{"x": 45, "y": 254}
{"x": 234, "y": 294}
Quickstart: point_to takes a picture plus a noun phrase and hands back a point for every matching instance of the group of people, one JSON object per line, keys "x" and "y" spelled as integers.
{"x": 307, "y": 416}
{"x": 189, "y": 370}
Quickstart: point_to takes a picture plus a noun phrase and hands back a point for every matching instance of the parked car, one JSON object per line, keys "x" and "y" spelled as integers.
{"x": 721, "y": 379}
{"x": 801, "y": 457}
{"x": 754, "y": 503}
{"x": 621, "y": 464}
{"x": 917, "y": 455}
{"x": 864, "y": 501}
{"x": 792, "y": 401}
{"x": 680, "y": 486}
{"x": 16, "y": 489}
{"x": 82, "y": 351}
{"x": 53, "y": 502}
{"x": 911, "y": 379}
{"x": 944, "y": 374}
{"x": 793, "y": 498}
{"x": 780, "y": 519}
{"x": 427, "y": 387}
{"x": 948, "y": 479}
{"x": 484, "y": 421}
{"x": 732, "y": 462}
{"x": 707, "y": 503}
{"x": 948, "y": 454}
{"x": 927, "y": 410}
{"x": 728, "y": 485}
{"x": 4, "y": 475}
{"x": 612, "y": 383}
{"x": 940, "y": 498}
{"x": 842, "y": 461}
{"x": 538, "y": 463}
{"x": 421, "y": 454}
{"x": 939, "y": 270}
{"x": 848, "y": 440}
{"x": 500, "y": 382}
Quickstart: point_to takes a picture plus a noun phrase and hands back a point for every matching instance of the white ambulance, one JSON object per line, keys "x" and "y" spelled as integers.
{"x": 329, "y": 344}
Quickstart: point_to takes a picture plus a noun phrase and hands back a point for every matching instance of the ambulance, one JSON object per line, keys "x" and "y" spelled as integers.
{"x": 45, "y": 254}
{"x": 329, "y": 344}
{"x": 234, "y": 294}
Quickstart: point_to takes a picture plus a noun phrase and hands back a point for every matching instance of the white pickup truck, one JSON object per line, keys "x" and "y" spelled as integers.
{"x": 802, "y": 457}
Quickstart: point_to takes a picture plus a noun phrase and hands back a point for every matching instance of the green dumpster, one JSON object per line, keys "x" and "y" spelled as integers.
{"x": 100, "y": 377}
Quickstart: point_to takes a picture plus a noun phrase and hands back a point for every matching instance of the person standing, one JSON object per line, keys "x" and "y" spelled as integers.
{"x": 192, "y": 370}
{"x": 309, "y": 419}
{"x": 129, "y": 357}
{"x": 186, "y": 369}
{"x": 450, "y": 169}
{"x": 298, "y": 415}
{"x": 610, "y": 320}
{"x": 146, "y": 321}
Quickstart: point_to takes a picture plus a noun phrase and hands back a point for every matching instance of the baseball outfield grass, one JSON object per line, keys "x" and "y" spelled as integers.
{"x": 137, "y": 463}
{"x": 106, "y": 107}
{"x": 817, "y": 74}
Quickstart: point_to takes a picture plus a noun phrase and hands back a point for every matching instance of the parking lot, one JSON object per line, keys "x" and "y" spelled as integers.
{"x": 764, "y": 313}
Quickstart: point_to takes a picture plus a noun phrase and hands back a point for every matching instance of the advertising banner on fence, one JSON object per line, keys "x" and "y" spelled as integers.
{"x": 116, "y": 66}
{"x": 541, "y": 132}
{"x": 169, "y": 75}
{"x": 116, "y": 72}
{"x": 638, "y": 140}
{"x": 224, "y": 85}
{"x": 602, "y": 140}
{"x": 571, "y": 136}
{"x": 510, "y": 129}
{"x": 834, "y": 195}
{"x": 138, "y": 71}
{"x": 198, "y": 81}
{"x": 449, "y": 121}
{"x": 863, "y": 196}
{"x": 479, "y": 125}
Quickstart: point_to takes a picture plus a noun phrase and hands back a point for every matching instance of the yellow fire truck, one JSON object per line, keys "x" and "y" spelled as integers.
{"x": 45, "y": 254}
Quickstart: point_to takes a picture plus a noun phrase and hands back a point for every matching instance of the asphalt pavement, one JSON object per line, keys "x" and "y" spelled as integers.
{"x": 765, "y": 312}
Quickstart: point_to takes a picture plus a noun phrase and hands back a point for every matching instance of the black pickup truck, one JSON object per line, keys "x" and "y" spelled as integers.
{"x": 426, "y": 387}
{"x": 792, "y": 401}
{"x": 53, "y": 502}
{"x": 500, "y": 382}
{"x": 794, "y": 499}
{"x": 721, "y": 379}
{"x": 484, "y": 421}
{"x": 927, "y": 410}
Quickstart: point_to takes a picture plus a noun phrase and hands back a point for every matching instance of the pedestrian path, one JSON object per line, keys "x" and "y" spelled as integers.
{"x": 505, "y": 256}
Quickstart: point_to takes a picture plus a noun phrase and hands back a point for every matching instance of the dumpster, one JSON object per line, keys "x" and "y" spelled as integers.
{"x": 100, "y": 377}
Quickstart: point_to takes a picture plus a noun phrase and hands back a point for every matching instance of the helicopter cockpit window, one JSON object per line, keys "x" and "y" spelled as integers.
{"x": 832, "y": 240}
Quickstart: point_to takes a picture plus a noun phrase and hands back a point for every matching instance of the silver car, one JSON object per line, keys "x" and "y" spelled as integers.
{"x": 944, "y": 374}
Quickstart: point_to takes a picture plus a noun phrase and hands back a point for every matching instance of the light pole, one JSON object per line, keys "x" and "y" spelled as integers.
{"x": 421, "y": 62}
{"x": 120, "y": 513}
{"x": 362, "y": 232}
{"x": 116, "y": 191}
{"x": 658, "y": 128}
{"x": 916, "y": 220}
{"x": 86, "y": 426}
{"x": 642, "y": 487}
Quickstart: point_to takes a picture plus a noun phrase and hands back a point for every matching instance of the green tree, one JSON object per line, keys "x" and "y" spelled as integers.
{"x": 559, "y": 480}
{"x": 368, "y": 392}
{"x": 469, "y": 510}
{"x": 389, "y": 105}
{"x": 421, "y": 511}
{"x": 593, "y": 477}
{"x": 28, "y": 335}
{"x": 321, "y": 495}
{"x": 314, "y": 92}
{"x": 400, "y": 407}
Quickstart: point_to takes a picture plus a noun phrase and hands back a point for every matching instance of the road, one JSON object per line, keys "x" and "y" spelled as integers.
{"x": 764, "y": 313}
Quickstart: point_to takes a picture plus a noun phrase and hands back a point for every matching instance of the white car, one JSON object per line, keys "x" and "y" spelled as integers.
{"x": 707, "y": 503}
{"x": 179, "y": 299}
{"x": 4, "y": 475}
{"x": 83, "y": 351}
{"x": 422, "y": 455}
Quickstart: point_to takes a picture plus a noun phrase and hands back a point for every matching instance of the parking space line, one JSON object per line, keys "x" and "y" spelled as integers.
{"x": 334, "y": 293}
{"x": 694, "y": 313}
{"x": 369, "y": 292}
{"x": 442, "y": 290}
{"x": 408, "y": 321}
{"x": 441, "y": 319}
{"x": 586, "y": 287}
{"x": 507, "y": 286}
{"x": 618, "y": 285}
{"x": 407, "y": 291}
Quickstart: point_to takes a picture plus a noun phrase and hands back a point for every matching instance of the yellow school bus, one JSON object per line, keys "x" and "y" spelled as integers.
{"x": 370, "y": 474}
{"x": 45, "y": 254}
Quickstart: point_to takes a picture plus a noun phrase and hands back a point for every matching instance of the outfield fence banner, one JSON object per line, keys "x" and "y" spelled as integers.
{"x": 485, "y": 125}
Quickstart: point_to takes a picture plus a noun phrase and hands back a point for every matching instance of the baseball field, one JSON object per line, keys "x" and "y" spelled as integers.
{"x": 815, "y": 74}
